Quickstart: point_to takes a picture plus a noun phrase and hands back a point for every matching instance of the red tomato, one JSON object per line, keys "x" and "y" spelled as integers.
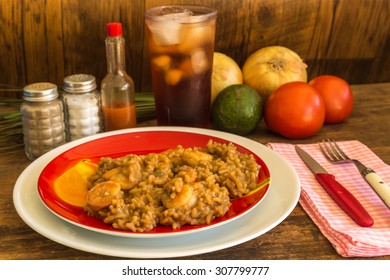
{"x": 295, "y": 110}
{"x": 337, "y": 96}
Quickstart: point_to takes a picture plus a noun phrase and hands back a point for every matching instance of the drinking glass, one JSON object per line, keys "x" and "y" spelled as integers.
{"x": 181, "y": 47}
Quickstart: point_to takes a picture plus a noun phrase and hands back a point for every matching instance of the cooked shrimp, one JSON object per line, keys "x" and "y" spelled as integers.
{"x": 135, "y": 172}
{"x": 188, "y": 174}
{"x": 122, "y": 180}
{"x": 108, "y": 174}
{"x": 194, "y": 157}
{"x": 102, "y": 194}
{"x": 175, "y": 155}
{"x": 181, "y": 196}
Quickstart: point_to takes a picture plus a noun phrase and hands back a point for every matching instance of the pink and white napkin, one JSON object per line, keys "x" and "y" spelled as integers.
{"x": 348, "y": 238}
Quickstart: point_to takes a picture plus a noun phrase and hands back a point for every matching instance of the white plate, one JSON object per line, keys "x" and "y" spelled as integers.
{"x": 280, "y": 201}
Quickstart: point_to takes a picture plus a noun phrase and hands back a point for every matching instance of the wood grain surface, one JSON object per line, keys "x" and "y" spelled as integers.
{"x": 297, "y": 237}
{"x": 46, "y": 40}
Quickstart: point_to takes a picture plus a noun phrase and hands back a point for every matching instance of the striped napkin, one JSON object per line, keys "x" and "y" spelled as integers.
{"x": 348, "y": 238}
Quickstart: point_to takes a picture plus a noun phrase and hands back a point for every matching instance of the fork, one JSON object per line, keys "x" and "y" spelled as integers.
{"x": 335, "y": 154}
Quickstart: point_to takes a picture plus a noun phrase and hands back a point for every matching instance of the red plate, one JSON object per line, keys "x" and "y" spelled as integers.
{"x": 139, "y": 142}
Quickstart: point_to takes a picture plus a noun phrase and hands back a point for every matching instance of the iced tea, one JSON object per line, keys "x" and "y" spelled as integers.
{"x": 181, "y": 46}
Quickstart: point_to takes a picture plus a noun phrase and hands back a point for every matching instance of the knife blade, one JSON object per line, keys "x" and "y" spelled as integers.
{"x": 343, "y": 198}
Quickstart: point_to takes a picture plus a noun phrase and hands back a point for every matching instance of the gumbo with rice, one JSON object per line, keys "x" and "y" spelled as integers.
{"x": 173, "y": 188}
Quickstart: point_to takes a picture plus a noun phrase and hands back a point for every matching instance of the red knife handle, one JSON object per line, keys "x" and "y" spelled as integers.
{"x": 345, "y": 199}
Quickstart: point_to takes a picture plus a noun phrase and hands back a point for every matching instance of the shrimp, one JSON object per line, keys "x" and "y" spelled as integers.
{"x": 117, "y": 176}
{"x": 175, "y": 155}
{"x": 181, "y": 195}
{"x": 102, "y": 194}
{"x": 108, "y": 174}
{"x": 135, "y": 172}
{"x": 188, "y": 174}
{"x": 122, "y": 180}
{"x": 193, "y": 157}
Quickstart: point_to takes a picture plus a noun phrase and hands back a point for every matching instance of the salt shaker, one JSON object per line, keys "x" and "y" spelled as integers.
{"x": 81, "y": 106}
{"x": 42, "y": 119}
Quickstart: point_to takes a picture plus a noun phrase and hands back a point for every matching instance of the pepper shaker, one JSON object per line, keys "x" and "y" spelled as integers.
{"x": 81, "y": 106}
{"x": 42, "y": 119}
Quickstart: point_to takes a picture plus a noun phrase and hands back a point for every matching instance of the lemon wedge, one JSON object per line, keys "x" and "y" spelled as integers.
{"x": 72, "y": 185}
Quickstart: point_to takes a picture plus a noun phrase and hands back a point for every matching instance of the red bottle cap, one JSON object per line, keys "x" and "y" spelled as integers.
{"x": 114, "y": 29}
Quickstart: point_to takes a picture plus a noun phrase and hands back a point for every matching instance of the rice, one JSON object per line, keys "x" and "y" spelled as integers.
{"x": 181, "y": 186}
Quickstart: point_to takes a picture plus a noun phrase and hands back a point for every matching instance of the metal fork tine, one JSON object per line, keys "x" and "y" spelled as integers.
{"x": 329, "y": 152}
{"x": 345, "y": 157}
{"x": 334, "y": 150}
{"x": 323, "y": 150}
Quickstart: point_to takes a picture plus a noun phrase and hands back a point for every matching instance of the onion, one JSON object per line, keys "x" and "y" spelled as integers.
{"x": 226, "y": 72}
{"x": 270, "y": 67}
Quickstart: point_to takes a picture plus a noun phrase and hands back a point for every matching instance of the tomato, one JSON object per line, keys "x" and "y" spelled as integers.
{"x": 337, "y": 96}
{"x": 295, "y": 110}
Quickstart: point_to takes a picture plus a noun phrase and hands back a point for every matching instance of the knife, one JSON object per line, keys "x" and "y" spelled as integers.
{"x": 344, "y": 199}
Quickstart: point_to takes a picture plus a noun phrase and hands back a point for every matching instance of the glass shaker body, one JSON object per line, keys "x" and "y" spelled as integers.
{"x": 81, "y": 106}
{"x": 42, "y": 119}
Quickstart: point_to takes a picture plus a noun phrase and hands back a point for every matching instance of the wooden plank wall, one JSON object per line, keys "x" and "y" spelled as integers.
{"x": 45, "y": 40}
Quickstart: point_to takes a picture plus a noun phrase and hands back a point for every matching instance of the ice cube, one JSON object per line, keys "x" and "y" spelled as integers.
{"x": 196, "y": 36}
{"x": 165, "y": 33}
{"x": 162, "y": 62}
{"x": 186, "y": 66}
{"x": 176, "y": 12}
{"x": 168, "y": 28}
{"x": 199, "y": 61}
{"x": 173, "y": 76}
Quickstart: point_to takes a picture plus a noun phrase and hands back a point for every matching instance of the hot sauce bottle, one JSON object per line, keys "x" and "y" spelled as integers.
{"x": 117, "y": 87}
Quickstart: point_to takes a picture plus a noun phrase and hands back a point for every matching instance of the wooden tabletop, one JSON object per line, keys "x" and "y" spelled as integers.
{"x": 297, "y": 237}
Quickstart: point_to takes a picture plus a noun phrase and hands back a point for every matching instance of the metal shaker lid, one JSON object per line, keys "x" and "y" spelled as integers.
{"x": 39, "y": 92}
{"x": 79, "y": 83}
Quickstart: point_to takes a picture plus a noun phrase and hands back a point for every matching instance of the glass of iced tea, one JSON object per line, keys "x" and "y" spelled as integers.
{"x": 181, "y": 47}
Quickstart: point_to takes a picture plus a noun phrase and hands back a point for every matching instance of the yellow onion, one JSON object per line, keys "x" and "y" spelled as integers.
{"x": 270, "y": 67}
{"x": 226, "y": 72}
